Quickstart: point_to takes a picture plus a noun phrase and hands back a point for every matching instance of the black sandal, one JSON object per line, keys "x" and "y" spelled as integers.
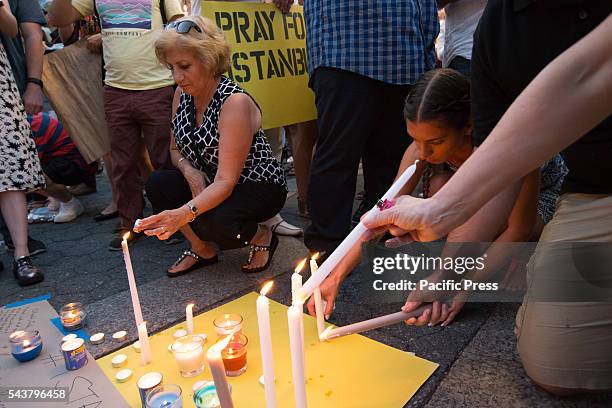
{"x": 199, "y": 262}
{"x": 261, "y": 248}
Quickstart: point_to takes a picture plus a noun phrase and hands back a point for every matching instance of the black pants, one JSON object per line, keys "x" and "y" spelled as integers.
{"x": 66, "y": 172}
{"x": 233, "y": 223}
{"x": 359, "y": 118}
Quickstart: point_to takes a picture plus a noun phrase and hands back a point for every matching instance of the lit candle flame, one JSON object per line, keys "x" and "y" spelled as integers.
{"x": 300, "y": 266}
{"x": 315, "y": 256}
{"x": 26, "y": 343}
{"x": 326, "y": 332}
{"x": 126, "y": 236}
{"x": 266, "y": 288}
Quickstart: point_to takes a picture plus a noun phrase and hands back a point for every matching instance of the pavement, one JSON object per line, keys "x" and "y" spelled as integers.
{"x": 479, "y": 366}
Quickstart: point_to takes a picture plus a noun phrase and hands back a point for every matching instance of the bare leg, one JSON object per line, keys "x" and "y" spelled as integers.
{"x": 204, "y": 249}
{"x": 262, "y": 237}
{"x": 13, "y": 205}
{"x": 302, "y": 138}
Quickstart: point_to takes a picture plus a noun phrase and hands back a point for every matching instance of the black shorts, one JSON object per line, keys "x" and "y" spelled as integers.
{"x": 64, "y": 171}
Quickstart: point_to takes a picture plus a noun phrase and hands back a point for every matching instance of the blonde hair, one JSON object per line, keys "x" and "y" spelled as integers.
{"x": 209, "y": 46}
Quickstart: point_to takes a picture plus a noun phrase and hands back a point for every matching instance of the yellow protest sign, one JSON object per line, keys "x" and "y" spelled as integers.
{"x": 268, "y": 57}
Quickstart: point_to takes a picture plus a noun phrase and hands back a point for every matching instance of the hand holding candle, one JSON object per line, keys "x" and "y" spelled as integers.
{"x": 351, "y": 240}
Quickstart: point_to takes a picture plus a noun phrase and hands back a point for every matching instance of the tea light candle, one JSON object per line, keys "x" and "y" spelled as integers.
{"x": 119, "y": 336}
{"x": 179, "y": 333}
{"x": 70, "y": 336}
{"x": 97, "y": 338}
{"x": 228, "y": 324}
{"x": 119, "y": 360}
{"x": 189, "y": 355}
{"x": 25, "y": 345}
{"x": 235, "y": 355}
{"x": 72, "y": 316}
{"x": 123, "y": 375}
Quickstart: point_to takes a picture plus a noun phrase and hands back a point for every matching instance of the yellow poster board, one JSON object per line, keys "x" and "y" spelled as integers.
{"x": 348, "y": 372}
{"x": 268, "y": 57}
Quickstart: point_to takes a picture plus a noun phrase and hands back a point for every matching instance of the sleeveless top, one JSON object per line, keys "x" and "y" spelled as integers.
{"x": 200, "y": 145}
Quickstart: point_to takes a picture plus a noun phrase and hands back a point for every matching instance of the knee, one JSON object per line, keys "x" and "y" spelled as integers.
{"x": 155, "y": 182}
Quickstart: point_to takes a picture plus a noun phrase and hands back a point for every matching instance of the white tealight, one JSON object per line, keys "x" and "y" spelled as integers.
{"x": 70, "y": 336}
{"x": 119, "y": 360}
{"x": 120, "y": 335}
{"x": 180, "y": 333}
{"x": 96, "y": 338}
{"x": 136, "y": 346}
{"x": 123, "y": 375}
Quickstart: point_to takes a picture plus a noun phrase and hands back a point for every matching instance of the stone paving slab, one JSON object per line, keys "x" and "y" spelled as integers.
{"x": 489, "y": 373}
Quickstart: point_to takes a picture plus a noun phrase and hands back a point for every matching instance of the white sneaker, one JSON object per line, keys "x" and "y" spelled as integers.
{"x": 69, "y": 211}
{"x": 282, "y": 227}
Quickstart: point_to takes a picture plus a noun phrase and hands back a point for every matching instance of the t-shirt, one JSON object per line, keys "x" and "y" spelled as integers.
{"x": 514, "y": 41}
{"x": 460, "y": 23}
{"x": 25, "y": 11}
{"x": 128, "y": 38}
{"x": 52, "y": 141}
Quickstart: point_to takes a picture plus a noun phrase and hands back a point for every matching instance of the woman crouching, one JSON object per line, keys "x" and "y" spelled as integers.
{"x": 216, "y": 136}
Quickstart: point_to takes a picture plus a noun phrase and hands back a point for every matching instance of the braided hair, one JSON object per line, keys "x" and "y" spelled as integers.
{"x": 441, "y": 95}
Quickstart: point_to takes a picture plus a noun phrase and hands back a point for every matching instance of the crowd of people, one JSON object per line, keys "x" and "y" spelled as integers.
{"x": 498, "y": 160}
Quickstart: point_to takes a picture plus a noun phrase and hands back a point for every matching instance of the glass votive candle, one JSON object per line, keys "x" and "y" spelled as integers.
{"x": 206, "y": 396}
{"x": 25, "y": 345}
{"x": 164, "y": 396}
{"x": 227, "y": 323}
{"x": 234, "y": 356}
{"x": 72, "y": 316}
{"x": 189, "y": 355}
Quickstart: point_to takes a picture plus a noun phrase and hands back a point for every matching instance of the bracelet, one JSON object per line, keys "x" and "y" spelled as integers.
{"x": 178, "y": 163}
{"x": 35, "y": 81}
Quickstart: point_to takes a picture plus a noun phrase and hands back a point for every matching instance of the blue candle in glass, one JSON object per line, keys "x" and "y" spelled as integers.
{"x": 165, "y": 396}
{"x": 206, "y": 397}
{"x": 25, "y": 345}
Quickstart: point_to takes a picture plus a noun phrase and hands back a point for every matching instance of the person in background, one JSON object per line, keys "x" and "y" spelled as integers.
{"x": 20, "y": 170}
{"x": 25, "y": 54}
{"x": 137, "y": 94}
{"x": 62, "y": 164}
{"x": 359, "y": 97}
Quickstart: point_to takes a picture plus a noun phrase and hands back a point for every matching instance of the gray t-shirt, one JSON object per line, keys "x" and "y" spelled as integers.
{"x": 25, "y": 11}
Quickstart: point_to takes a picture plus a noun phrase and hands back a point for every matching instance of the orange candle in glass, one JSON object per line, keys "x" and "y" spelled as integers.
{"x": 235, "y": 355}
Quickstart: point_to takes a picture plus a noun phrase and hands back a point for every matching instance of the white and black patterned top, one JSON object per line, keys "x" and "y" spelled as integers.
{"x": 200, "y": 145}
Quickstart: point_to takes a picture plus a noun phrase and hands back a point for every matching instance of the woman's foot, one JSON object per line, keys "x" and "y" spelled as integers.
{"x": 261, "y": 250}
{"x": 107, "y": 213}
{"x": 191, "y": 259}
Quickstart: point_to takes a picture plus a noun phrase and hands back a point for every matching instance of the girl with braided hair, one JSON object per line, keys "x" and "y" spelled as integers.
{"x": 438, "y": 119}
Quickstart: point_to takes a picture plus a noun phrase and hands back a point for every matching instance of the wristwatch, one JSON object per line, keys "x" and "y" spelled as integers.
{"x": 193, "y": 209}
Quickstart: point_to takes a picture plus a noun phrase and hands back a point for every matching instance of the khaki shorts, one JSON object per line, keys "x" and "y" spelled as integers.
{"x": 568, "y": 344}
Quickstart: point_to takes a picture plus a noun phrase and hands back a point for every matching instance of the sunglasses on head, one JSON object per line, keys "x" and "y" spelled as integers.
{"x": 183, "y": 26}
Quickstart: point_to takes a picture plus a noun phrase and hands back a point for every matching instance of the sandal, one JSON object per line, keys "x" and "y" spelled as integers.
{"x": 261, "y": 248}
{"x": 199, "y": 262}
